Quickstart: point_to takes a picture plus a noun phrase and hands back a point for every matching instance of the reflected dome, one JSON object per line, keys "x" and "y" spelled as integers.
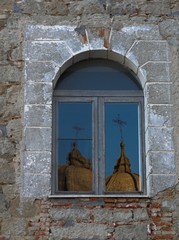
{"x": 123, "y": 179}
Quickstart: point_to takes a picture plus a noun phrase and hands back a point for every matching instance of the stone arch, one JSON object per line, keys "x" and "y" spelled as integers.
{"x": 49, "y": 50}
{"x": 93, "y": 54}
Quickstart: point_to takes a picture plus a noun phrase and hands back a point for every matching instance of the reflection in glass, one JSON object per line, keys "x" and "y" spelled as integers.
{"x": 121, "y": 126}
{"x": 97, "y": 74}
{"x": 74, "y": 146}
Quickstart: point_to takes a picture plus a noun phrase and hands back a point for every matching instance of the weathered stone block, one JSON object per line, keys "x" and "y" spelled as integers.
{"x": 80, "y": 214}
{"x": 92, "y": 7}
{"x": 168, "y": 205}
{"x": 14, "y": 94}
{"x": 107, "y": 215}
{"x": 2, "y": 104}
{"x": 96, "y": 20}
{"x": 40, "y": 71}
{"x": 76, "y": 8}
{"x": 13, "y": 102}
{"x": 158, "y": 93}
{"x": 13, "y": 22}
{"x": 158, "y": 183}
{"x": 154, "y": 51}
{"x": 158, "y": 8}
{"x": 63, "y": 68}
{"x": 81, "y": 56}
{"x": 3, "y": 130}
{"x": 3, "y": 88}
{"x": 38, "y": 139}
{"x": 156, "y": 71}
{"x": 38, "y": 93}
{"x": 35, "y": 7}
{"x": 9, "y": 191}
{"x": 7, "y": 40}
{"x": 13, "y": 226}
{"x": 7, "y": 147}
{"x": 3, "y": 53}
{"x": 36, "y": 185}
{"x": 77, "y": 45}
{"x": 159, "y": 138}
{"x": 10, "y": 74}
{"x": 142, "y": 31}
{"x": 14, "y": 130}
{"x": 98, "y": 38}
{"x": 140, "y": 214}
{"x": 115, "y": 8}
{"x": 169, "y": 27}
{"x": 103, "y": 215}
{"x": 161, "y": 162}
{"x": 92, "y": 231}
{"x": 121, "y": 42}
{"x": 37, "y": 162}
{"x": 16, "y": 54}
{"x": 24, "y": 209}
{"x": 3, "y": 203}
{"x": 130, "y": 232}
{"x": 159, "y": 115}
{"x": 115, "y": 56}
{"x": 55, "y": 33}
{"x": 7, "y": 174}
{"x": 56, "y": 51}
{"x": 56, "y": 8}
{"x": 38, "y": 116}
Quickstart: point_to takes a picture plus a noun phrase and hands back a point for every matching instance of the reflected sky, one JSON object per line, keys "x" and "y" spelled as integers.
{"x": 97, "y": 74}
{"x": 129, "y": 113}
{"x": 75, "y": 125}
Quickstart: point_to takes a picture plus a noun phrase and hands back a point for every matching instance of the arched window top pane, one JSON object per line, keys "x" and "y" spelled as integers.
{"x": 97, "y": 74}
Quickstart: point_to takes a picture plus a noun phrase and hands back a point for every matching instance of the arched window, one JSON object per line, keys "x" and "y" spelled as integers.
{"x": 97, "y": 130}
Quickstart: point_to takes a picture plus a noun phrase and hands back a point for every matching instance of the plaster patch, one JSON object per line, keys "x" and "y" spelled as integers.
{"x": 132, "y": 29}
{"x": 26, "y": 108}
{"x": 157, "y": 118}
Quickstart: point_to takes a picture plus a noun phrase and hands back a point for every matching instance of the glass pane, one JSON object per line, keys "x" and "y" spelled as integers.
{"x": 74, "y": 146}
{"x": 97, "y": 74}
{"x": 122, "y": 147}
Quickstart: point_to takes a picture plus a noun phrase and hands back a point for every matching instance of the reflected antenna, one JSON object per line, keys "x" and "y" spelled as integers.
{"x": 117, "y": 120}
{"x": 77, "y": 129}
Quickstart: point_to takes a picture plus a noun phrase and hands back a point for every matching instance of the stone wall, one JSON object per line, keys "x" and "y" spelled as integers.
{"x": 35, "y": 217}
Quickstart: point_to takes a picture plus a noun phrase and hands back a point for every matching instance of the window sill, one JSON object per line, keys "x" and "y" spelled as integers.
{"x": 98, "y": 196}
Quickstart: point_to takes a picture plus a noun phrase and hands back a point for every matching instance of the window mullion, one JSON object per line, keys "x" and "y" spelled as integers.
{"x": 101, "y": 144}
{"x": 95, "y": 146}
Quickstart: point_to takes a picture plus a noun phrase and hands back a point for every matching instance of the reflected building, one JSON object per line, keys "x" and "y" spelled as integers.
{"x": 122, "y": 179}
{"x": 76, "y": 175}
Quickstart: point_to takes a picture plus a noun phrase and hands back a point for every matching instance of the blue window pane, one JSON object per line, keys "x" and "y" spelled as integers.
{"x": 121, "y": 135}
{"x": 97, "y": 75}
{"x": 74, "y": 146}
{"x": 75, "y": 120}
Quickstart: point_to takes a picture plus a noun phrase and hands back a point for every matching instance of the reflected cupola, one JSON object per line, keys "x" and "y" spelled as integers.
{"x": 122, "y": 178}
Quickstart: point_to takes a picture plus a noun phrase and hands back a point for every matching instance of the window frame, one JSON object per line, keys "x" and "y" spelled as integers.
{"x": 99, "y": 98}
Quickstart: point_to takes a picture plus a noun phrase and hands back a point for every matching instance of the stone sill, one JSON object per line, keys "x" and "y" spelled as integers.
{"x": 97, "y": 196}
